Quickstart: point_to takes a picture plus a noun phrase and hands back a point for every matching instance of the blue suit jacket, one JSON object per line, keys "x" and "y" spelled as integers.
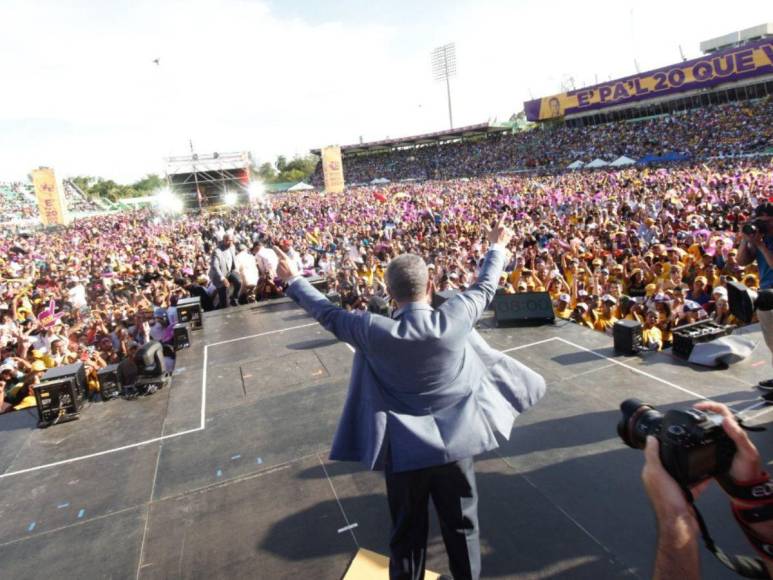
{"x": 424, "y": 382}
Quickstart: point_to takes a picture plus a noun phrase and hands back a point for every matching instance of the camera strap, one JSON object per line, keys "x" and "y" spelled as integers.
{"x": 745, "y": 566}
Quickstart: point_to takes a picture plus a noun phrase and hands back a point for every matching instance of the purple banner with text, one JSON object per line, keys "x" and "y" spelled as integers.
{"x": 732, "y": 64}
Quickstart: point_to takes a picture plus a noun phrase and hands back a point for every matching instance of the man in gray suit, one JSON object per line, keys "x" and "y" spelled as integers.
{"x": 222, "y": 272}
{"x": 426, "y": 395}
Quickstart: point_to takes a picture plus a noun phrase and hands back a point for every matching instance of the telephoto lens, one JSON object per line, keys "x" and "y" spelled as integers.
{"x": 638, "y": 421}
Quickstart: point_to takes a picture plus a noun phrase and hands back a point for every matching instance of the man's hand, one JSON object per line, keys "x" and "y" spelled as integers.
{"x": 499, "y": 234}
{"x": 746, "y": 462}
{"x": 677, "y": 550}
{"x": 666, "y": 496}
{"x": 286, "y": 268}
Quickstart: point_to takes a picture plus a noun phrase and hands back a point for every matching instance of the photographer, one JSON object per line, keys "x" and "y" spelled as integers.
{"x": 678, "y": 528}
{"x": 757, "y": 244}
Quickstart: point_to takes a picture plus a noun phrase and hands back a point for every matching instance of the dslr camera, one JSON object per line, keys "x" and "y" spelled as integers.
{"x": 693, "y": 444}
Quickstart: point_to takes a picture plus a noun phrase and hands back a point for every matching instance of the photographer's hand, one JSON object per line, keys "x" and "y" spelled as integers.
{"x": 746, "y": 467}
{"x": 746, "y": 462}
{"x": 677, "y": 550}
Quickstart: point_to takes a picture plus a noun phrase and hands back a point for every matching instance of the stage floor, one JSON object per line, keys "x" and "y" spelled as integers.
{"x": 225, "y": 474}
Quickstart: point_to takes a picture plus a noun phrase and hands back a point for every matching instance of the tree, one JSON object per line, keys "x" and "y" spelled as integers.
{"x": 281, "y": 163}
{"x": 266, "y": 172}
{"x": 147, "y": 185}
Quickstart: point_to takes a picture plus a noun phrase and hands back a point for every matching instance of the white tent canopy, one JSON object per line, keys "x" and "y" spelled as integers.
{"x": 576, "y": 165}
{"x": 379, "y": 180}
{"x": 597, "y": 163}
{"x": 622, "y": 160}
{"x": 300, "y": 186}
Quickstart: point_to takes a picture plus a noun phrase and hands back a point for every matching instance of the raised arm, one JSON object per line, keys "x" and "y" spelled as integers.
{"x": 474, "y": 301}
{"x": 346, "y": 326}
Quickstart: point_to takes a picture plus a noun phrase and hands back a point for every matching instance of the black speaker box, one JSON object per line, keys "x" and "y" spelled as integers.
{"x": 182, "y": 337}
{"x": 439, "y": 297}
{"x": 528, "y": 308}
{"x": 57, "y": 400}
{"x": 319, "y": 283}
{"x": 627, "y": 336}
{"x": 189, "y": 312}
{"x": 76, "y": 371}
{"x": 109, "y": 382}
{"x": 686, "y": 337}
{"x": 334, "y": 297}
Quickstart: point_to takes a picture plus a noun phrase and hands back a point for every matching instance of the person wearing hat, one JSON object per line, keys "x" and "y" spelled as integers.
{"x": 564, "y": 306}
{"x": 580, "y": 315}
{"x": 604, "y": 319}
{"x": 758, "y": 247}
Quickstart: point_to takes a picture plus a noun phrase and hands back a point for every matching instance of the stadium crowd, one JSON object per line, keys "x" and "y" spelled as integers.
{"x": 718, "y": 130}
{"x": 653, "y": 244}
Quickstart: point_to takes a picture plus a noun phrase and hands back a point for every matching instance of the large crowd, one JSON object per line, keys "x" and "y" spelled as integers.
{"x": 718, "y": 130}
{"x": 652, "y": 244}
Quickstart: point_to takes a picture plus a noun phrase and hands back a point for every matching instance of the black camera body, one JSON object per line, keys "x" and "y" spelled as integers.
{"x": 693, "y": 444}
{"x": 755, "y": 226}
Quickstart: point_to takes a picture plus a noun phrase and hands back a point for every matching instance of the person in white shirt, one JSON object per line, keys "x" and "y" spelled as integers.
{"x": 247, "y": 267}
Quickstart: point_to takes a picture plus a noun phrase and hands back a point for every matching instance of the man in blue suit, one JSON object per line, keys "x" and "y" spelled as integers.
{"x": 426, "y": 395}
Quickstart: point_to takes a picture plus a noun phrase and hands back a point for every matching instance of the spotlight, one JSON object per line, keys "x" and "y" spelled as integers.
{"x": 256, "y": 191}
{"x": 230, "y": 198}
{"x": 167, "y": 201}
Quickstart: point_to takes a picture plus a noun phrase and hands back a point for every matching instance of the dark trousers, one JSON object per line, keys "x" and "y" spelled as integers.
{"x": 222, "y": 292}
{"x": 452, "y": 489}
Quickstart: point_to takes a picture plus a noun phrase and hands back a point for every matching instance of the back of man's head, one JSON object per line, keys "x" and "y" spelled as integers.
{"x": 406, "y": 278}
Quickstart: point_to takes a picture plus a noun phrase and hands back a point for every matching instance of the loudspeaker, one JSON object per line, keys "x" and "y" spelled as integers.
{"x": 686, "y": 337}
{"x": 627, "y": 336}
{"x": 109, "y": 382}
{"x": 189, "y": 312}
{"x": 319, "y": 283}
{"x": 57, "y": 400}
{"x": 439, "y": 297}
{"x": 523, "y": 308}
{"x": 76, "y": 371}
{"x": 334, "y": 297}
{"x": 182, "y": 338}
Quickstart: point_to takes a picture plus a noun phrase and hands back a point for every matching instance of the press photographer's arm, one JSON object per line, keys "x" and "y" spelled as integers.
{"x": 678, "y": 529}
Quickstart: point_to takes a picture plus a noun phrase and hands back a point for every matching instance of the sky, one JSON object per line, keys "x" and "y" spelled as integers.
{"x": 81, "y": 93}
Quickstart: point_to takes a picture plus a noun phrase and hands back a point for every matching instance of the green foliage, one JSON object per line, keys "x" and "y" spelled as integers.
{"x": 283, "y": 171}
{"x": 109, "y": 189}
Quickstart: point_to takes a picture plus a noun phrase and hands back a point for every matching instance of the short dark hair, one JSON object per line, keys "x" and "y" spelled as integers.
{"x": 407, "y": 277}
{"x": 764, "y": 209}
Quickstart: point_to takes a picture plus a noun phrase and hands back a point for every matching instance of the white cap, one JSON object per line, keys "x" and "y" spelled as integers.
{"x": 564, "y": 297}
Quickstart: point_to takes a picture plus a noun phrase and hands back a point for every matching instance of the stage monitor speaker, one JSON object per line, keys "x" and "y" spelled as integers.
{"x": 182, "y": 337}
{"x": 76, "y": 370}
{"x": 319, "y": 283}
{"x": 438, "y": 298}
{"x": 109, "y": 382}
{"x": 686, "y": 337}
{"x": 627, "y": 335}
{"x": 57, "y": 400}
{"x": 525, "y": 308}
{"x": 189, "y": 312}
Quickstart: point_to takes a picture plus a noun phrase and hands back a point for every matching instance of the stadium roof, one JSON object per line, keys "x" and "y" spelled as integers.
{"x": 467, "y": 132}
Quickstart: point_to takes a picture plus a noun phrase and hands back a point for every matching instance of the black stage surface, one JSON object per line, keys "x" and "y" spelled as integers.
{"x": 225, "y": 474}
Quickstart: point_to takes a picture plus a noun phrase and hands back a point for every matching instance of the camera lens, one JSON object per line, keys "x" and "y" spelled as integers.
{"x": 638, "y": 421}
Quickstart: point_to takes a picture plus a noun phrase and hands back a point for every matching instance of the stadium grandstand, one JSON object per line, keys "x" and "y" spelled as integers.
{"x": 718, "y": 105}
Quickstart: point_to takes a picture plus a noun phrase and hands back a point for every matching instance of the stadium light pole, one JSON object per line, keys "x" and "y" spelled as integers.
{"x": 443, "y": 68}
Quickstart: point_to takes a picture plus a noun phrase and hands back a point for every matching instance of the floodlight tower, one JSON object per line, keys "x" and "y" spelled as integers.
{"x": 443, "y": 68}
